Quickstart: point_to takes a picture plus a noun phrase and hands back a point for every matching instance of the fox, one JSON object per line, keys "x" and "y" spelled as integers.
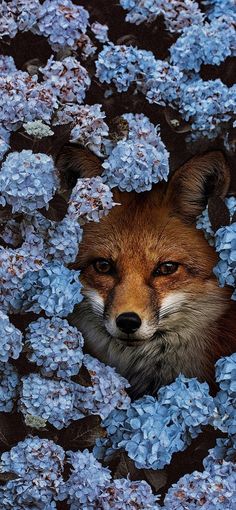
{"x": 152, "y": 306}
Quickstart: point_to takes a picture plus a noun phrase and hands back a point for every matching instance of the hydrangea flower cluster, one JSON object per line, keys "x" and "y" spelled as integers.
{"x": 177, "y": 13}
{"x": 208, "y": 105}
{"x": 61, "y": 401}
{"x": 38, "y": 465}
{"x": 100, "y": 31}
{"x": 55, "y": 346}
{"x": 54, "y": 289}
{"x": 68, "y": 80}
{"x": 90, "y": 487}
{"x": 7, "y": 65}
{"x": 27, "y": 181}
{"x": 225, "y": 244}
{"x": 123, "y": 493}
{"x": 51, "y": 400}
{"x": 225, "y": 400}
{"x": 37, "y": 129}
{"x": 87, "y": 480}
{"x": 63, "y": 240}
{"x": 107, "y": 390}
{"x": 210, "y": 43}
{"x": 89, "y": 128}
{"x": 11, "y": 342}
{"x": 4, "y": 142}
{"x": 23, "y": 99}
{"x": 9, "y": 381}
{"x": 14, "y": 16}
{"x": 225, "y": 449}
{"x": 140, "y": 160}
{"x": 221, "y": 8}
{"x": 207, "y": 490}
{"x": 47, "y": 239}
{"x": 14, "y": 264}
{"x": 90, "y": 200}
{"x": 62, "y": 22}
{"x": 123, "y": 65}
{"x": 151, "y": 430}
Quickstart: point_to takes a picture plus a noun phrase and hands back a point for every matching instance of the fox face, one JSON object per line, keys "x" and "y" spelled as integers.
{"x": 152, "y": 304}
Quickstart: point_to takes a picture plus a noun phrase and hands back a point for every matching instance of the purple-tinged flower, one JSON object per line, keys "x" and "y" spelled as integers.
{"x": 27, "y": 181}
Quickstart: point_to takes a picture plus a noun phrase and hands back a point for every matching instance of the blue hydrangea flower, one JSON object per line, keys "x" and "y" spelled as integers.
{"x": 177, "y": 13}
{"x": 90, "y": 200}
{"x": 11, "y": 233}
{"x": 14, "y": 88}
{"x": 151, "y": 430}
{"x": 100, "y": 31}
{"x": 208, "y": 105}
{"x": 27, "y": 181}
{"x": 15, "y": 15}
{"x": 208, "y": 491}
{"x": 225, "y": 244}
{"x": 23, "y": 99}
{"x": 206, "y": 44}
{"x": 123, "y": 65}
{"x": 87, "y": 480}
{"x": 138, "y": 162}
{"x": 89, "y": 128}
{"x": 107, "y": 391}
{"x": 67, "y": 79}
{"x": 11, "y": 339}
{"x": 50, "y": 399}
{"x": 41, "y": 456}
{"x": 125, "y": 494}
{"x": 203, "y": 223}
{"x": 226, "y": 374}
{"x": 14, "y": 264}
{"x": 26, "y": 15}
{"x": 9, "y": 381}
{"x": 163, "y": 83}
{"x": 63, "y": 240}
{"x": 54, "y": 289}
{"x": 225, "y": 402}
{"x": 38, "y": 465}
{"x": 86, "y": 47}
{"x": 8, "y": 24}
{"x": 4, "y": 142}
{"x": 225, "y": 449}
{"x": 7, "y": 65}
{"x": 55, "y": 346}
{"x": 62, "y": 22}
{"x": 223, "y": 417}
{"x": 221, "y": 9}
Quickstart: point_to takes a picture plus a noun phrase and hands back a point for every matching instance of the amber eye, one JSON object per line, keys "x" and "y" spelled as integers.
{"x": 103, "y": 266}
{"x": 165, "y": 268}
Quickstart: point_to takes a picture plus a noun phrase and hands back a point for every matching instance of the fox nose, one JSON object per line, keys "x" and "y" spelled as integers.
{"x": 128, "y": 322}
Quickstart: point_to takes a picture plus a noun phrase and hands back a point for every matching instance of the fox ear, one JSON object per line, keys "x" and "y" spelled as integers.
{"x": 195, "y": 182}
{"x": 75, "y": 161}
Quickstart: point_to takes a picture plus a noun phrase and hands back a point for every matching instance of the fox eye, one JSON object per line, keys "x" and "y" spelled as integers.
{"x": 103, "y": 266}
{"x": 166, "y": 268}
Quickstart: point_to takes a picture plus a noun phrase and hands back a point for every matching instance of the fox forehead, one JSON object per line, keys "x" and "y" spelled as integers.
{"x": 143, "y": 230}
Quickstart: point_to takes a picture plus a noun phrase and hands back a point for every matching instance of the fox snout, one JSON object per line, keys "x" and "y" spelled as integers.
{"x": 128, "y": 322}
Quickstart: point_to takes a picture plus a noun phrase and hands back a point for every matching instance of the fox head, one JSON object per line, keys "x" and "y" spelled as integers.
{"x": 147, "y": 272}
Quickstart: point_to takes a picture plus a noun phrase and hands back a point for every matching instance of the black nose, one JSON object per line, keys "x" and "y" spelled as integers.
{"x": 128, "y": 322}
